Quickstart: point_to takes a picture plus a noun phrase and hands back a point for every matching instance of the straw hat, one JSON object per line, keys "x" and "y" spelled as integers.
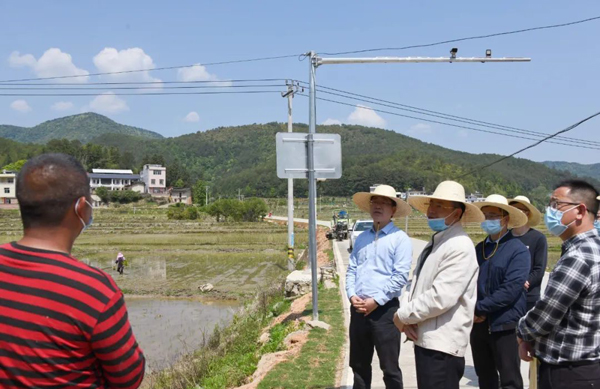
{"x": 517, "y": 218}
{"x": 449, "y": 191}
{"x": 362, "y": 200}
{"x": 535, "y": 216}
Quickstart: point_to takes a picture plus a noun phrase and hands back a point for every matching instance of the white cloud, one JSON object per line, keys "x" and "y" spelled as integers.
{"x": 109, "y": 60}
{"x": 420, "y": 128}
{"x": 53, "y": 63}
{"x": 108, "y": 103}
{"x": 199, "y": 73}
{"x": 463, "y": 133}
{"x": 330, "y": 121}
{"x": 365, "y": 116}
{"x": 20, "y": 106}
{"x": 192, "y": 117}
{"x": 62, "y": 106}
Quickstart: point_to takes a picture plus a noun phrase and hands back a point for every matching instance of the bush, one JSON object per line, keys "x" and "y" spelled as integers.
{"x": 118, "y": 196}
{"x": 181, "y": 211}
{"x": 251, "y": 210}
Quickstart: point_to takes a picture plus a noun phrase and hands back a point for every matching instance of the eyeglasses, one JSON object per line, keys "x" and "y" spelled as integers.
{"x": 555, "y": 203}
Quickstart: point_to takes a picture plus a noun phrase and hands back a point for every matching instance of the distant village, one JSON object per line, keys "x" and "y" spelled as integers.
{"x": 151, "y": 181}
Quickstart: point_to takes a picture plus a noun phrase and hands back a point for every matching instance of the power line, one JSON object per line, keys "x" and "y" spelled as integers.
{"x": 532, "y": 145}
{"x": 154, "y": 69}
{"x": 137, "y": 94}
{"x": 422, "y": 111}
{"x": 467, "y": 38}
{"x": 142, "y": 87}
{"x": 449, "y": 124}
{"x": 4, "y": 83}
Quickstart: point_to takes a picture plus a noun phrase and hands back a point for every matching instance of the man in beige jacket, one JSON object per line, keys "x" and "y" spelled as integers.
{"x": 436, "y": 311}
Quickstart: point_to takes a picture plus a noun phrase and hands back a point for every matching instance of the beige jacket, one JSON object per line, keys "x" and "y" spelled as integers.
{"x": 441, "y": 296}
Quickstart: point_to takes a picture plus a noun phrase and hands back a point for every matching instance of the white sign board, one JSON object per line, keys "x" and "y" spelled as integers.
{"x": 292, "y": 160}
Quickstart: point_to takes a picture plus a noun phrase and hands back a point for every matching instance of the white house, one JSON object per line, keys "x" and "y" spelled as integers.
{"x": 112, "y": 179}
{"x": 8, "y": 187}
{"x": 155, "y": 178}
{"x": 475, "y": 197}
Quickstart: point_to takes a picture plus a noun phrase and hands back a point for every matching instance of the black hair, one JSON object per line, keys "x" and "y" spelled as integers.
{"x": 47, "y": 187}
{"x": 583, "y": 192}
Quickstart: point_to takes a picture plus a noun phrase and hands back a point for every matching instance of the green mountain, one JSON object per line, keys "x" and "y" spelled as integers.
{"x": 83, "y": 127}
{"x": 244, "y": 158}
{"x": 578, "y": 169}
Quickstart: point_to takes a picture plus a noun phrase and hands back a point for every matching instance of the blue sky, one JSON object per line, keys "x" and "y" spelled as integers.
{"x": 559, "y": 87}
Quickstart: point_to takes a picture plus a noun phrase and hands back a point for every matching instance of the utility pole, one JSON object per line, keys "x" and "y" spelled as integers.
{"x": 206, "y": 203}
{"x": 292, "y": 89}
{"x": 316, "y": 61}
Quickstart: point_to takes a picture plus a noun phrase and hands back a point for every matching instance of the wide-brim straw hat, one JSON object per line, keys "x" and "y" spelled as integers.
{"x": 535, "y": 216}
{"x": 449, "y": 191}
{"x": 516, "y": 217}
{"x": 363, "y": 199}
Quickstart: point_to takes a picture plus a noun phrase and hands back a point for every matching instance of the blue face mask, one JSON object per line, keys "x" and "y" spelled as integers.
{"x": 553, "y": 219}
{"x": 89, "y": 223}
{"x": 597, "y": 225}
{"x": 491, "y": 227}
{"x": 438, "y": 224}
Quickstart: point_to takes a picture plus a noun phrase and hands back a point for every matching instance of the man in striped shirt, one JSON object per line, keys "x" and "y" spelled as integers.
{"x": 63, "y": 324}
{"x": 563, "y": 328}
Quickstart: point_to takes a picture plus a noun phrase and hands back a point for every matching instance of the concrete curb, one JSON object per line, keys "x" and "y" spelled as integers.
{"x": 345, "y": 380}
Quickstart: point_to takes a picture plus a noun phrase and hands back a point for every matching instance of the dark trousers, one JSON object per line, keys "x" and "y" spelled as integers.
{"x": 496, "y": 358}
{"x": 438, "y": 370}
{"x": 375, "y": 332}
{"x": 569, "y": 377}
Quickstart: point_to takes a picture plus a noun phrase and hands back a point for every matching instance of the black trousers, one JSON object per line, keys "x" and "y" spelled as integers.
{"x": 438, "y": 370}
{"x": 375, "y": 332}
{"x": 569, "y": 377}
{"x": 496, "y": 358}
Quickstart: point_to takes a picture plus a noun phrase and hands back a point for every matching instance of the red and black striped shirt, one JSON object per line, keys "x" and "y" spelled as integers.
{"x": 63, "y": 324}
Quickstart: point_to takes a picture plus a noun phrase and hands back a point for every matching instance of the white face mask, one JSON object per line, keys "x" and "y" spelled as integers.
{"x": 89, "y": 223}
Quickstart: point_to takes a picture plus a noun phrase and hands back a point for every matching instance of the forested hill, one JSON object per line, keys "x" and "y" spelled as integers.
{"x": 581, "y": 170}
{"x": 83, "y": 127}
{"x": 243, "y": 158}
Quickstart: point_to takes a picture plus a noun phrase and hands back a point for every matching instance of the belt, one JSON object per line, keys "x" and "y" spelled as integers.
{"x": 572, "y": 363}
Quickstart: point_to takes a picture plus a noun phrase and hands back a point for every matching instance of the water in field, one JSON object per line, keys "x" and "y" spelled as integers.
{"x": 169, "y": 328}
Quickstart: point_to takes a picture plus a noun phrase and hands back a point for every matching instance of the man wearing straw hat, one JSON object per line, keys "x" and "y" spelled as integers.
{"x": 377, "y": 271}
{"x": 501, "y": 296}
{"x": 537, "y": 244}
{"x": 436, "y": 310}
{"x": 563, "y": 328}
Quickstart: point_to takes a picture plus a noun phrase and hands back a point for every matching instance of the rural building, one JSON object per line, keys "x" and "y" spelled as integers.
{"x": 8, "y": 187}
{"x": 181, "y": 195}
{"x": 155, "y": 179}
{"x": 112, "y": 179}
{"x": 137, "y": 186}
{"x": 475, "y": 197}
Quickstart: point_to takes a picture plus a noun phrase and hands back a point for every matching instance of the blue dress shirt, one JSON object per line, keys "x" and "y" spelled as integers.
{"x": 379, "y": 264}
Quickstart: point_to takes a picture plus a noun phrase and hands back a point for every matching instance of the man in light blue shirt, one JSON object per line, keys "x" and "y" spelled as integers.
{"x": 377, "y": 272}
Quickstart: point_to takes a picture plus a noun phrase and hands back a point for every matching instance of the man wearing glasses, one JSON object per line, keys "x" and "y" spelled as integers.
{"x": 503, "y": 269}
{"x": 563, "y": 328}
{"x": 437, "y": 308}
{"x": 377, "y": 271}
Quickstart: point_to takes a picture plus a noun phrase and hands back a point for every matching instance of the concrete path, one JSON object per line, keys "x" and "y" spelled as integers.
{"x": 407, "y": 360}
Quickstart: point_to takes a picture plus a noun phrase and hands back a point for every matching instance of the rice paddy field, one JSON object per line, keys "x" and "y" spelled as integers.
{"x": 169, "y": 260}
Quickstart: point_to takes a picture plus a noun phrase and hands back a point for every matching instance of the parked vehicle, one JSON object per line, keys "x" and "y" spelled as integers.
{"x": 357, "y": 229}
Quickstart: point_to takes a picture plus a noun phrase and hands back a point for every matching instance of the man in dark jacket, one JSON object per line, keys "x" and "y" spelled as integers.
{"x": 501, "y": 296}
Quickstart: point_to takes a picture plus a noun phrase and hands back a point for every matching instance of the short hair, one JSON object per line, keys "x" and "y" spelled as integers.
{"x": 460, "y": 206}
{"x": 47, "y": 186}
{"x": 583, "y": 192}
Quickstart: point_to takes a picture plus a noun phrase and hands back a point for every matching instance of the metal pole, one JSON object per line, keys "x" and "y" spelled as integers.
{"x": 406, "y": 225}
{"x": 291, "y": 264}
{"x": 206, "y": 196}
{"x": 312, "y": 183}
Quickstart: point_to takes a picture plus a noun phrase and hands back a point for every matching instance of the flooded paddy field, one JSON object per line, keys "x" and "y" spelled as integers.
{"x": 168, "y": 262}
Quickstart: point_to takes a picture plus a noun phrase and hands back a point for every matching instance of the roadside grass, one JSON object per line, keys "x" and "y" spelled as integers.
{"x": 317, "y": 363}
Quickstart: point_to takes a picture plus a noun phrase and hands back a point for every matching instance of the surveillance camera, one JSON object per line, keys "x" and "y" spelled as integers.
{"x": 453, "y": 52}
{"x": 488, "y": 53}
